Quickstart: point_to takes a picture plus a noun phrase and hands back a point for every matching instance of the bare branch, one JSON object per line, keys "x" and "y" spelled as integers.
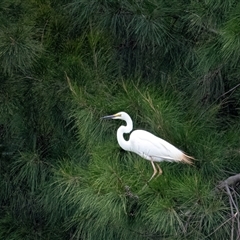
{"x": 229, "y": 184}
{"x": 231, "y": 181}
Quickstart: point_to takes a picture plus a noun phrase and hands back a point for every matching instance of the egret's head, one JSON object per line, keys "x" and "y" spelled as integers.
{"x": 120, "y": 115}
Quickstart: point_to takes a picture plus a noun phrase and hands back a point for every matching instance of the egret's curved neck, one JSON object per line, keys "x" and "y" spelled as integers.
{"x": 124, "y": 129}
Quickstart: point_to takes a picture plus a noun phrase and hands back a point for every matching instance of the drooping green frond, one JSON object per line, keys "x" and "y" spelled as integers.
{"x": 231, "y": 38}
{"x": 18, "y": 50}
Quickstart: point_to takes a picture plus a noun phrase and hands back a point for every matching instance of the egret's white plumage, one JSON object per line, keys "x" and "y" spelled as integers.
{"x": 147, "y": 145}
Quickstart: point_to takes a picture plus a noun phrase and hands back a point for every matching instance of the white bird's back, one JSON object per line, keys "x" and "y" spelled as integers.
{"x": 154, "y": 148}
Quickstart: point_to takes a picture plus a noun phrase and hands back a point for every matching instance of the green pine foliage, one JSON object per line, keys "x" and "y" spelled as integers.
{"x": 173, "y": 66}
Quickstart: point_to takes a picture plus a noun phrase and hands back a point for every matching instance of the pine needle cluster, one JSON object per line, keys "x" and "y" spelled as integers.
{"x": 173, "y": 66}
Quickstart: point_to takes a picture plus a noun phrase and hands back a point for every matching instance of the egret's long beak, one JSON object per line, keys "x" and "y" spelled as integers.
{"x": 108, "y": 117}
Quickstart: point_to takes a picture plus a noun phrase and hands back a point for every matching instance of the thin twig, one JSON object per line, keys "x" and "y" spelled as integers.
{"x": 231, "y": 208}
{"x": 70, "y": 84}
{"x": 230, "y": 195}
{"x": 238, "y": 222}
{"x": 231, "y": 90}
{"x": 42, "y": 36}
{"x": 221, "y": 225}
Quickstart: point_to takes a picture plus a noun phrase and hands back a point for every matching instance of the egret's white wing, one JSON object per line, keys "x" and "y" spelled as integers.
{"x": 153, "y": 148}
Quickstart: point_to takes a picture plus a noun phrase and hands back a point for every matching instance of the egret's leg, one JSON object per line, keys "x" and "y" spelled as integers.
{"x": 154, "y": 171}
{"x": 159, "y": 170}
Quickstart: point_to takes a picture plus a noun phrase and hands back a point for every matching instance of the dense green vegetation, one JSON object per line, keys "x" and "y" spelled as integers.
{"x": 174, "y": 66}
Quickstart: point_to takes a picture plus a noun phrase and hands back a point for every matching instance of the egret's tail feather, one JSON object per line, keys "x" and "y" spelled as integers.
{"x": 187, "y": 159}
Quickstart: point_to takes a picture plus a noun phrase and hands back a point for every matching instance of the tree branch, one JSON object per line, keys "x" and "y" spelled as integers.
{"x": 229, "y": 184}
{"x": 231, "y": 181}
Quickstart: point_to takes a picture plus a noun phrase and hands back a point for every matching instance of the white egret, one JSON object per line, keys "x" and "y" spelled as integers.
{"x": 147, "y": 145}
